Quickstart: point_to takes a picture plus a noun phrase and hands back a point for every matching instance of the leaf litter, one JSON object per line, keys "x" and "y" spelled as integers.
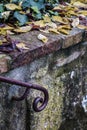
{"x": 21, "y": 16}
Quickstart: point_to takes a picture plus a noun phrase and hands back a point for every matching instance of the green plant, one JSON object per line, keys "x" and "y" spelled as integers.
{"x": 34, "y": 9}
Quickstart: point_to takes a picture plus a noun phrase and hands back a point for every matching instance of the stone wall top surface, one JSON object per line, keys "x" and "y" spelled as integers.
{"x": 37, "y": 48}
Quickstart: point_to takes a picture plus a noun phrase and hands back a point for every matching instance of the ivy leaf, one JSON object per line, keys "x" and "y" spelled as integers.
{"x": 30, "y": 3}
{"x": 35, "y": 9}
{"x": 38, "y": 16}
{"x": 26, "y": 4}
{"x": 1, "y": 8}
{"x": 22, "y": 18}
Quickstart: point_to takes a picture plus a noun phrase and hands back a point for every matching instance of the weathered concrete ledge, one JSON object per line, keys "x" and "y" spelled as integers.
{"x": 38, "y": 49}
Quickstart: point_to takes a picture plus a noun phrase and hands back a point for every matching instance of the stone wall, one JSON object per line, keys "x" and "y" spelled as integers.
{"x": 64, "y": 74}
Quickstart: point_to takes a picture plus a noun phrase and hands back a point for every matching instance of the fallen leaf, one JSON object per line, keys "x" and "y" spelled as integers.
{"x": 1, "y": 42}
{"x": 23, "y": 29}
{"x": 47, "y": 19}
{"x": 54, "y": 30}
{"x": 42, "y": 38}
{"x": 51, "y": 24}
{"x": 79, "y": 4}
{"x": 63, "y": 31}
{"x": 82, "y": 26}
{"x": 8, "y": 27}
{"x": 75, "y": 22}
{"x": 5, "y": 14}
{"x": 71, "y": 12}
{"x": 2, "y": 31}
{"x": 45, "y": 31}
{"x": 56, "y": 8}
{"x": 21, "y": 46}
{"x": 12, "y": 7}
{"x": 9, "y": 32}
{"x": 58, "y": 19}
{"x": 67, "y": 27}
{"x": 83, "y": 12}
{"x": 39, "y": 23}
{"x": 83, "y": 1}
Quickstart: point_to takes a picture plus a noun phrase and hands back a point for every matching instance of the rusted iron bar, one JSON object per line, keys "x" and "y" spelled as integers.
{"x": 29, "y": 86}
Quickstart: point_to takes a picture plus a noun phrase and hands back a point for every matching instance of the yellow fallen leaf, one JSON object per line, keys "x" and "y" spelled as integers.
{"x": 23, "y": 29}
{"x": 39, "y": 23}
{"x": 67, "y": 27}
{"x": 21, "y": 46}
{"x": 22, "y": 12}
{"x": 2, "y": 31}
{"x": 70, "y": 8}
{"x": 53, "y": 30}
{"x": 45, "y": 31}
{"x": 63, "y": 31}
{"x": 46, "y": 19}
{"x": 83, "y": 1}
{"x": 12, "y": 7}
{"x": 1, "y": 42}
{"x": 65, "y": 20}
{"x": 83, "y": 12}
{"x": 82, "y": 26}
{"x": 80, "y": 4}
{"x": 56, "y": 8}
{"x": 51, "y": 24}
{"x": 75, "y": 22}
{"x": 58, "y": 19}
{"x": 9, "y": 32}
{"x": 8, "y": 27}
{"x": 71, "y": 12}
{"x": 42, "y": 38}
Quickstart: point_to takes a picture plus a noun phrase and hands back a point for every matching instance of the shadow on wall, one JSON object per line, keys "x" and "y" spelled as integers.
{"x": 74, "y": 113}
{"x": 79, "y": 122}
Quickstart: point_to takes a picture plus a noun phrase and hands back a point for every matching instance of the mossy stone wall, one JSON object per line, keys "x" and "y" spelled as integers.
{"x": 64, "y": 74}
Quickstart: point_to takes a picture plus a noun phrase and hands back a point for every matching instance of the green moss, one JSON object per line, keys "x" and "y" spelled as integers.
{"x": 51, "y": 117}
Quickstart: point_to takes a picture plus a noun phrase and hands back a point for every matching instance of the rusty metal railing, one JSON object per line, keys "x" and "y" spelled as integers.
{"x": 29, "y": 86}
